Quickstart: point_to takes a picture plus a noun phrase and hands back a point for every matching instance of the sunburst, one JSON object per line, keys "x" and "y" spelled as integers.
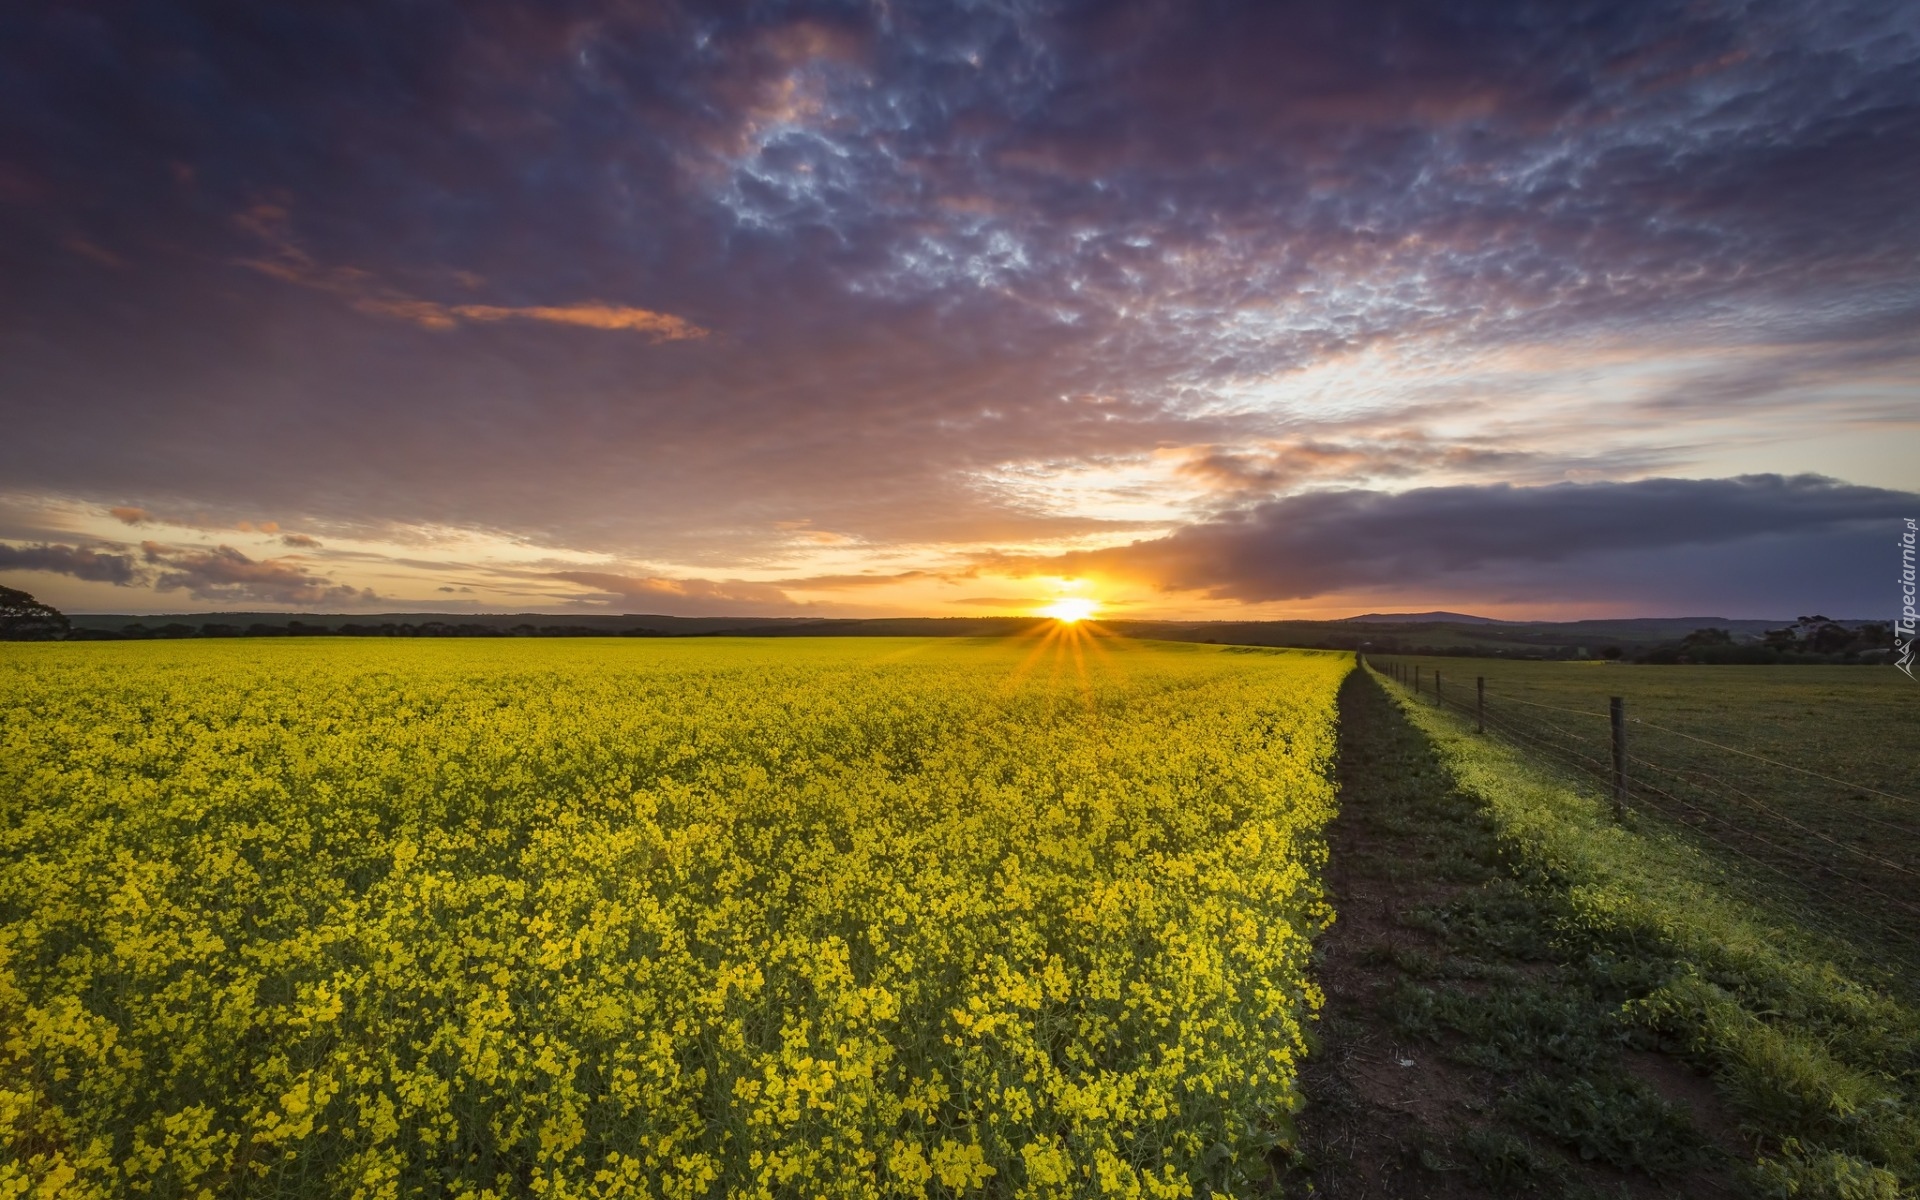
{"x": 1070, "y": 609}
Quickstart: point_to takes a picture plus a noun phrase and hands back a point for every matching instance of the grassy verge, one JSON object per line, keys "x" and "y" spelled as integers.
{"x": 1468, "y": 1046}
{"x": 1820, "y": 820}
{"x": 1821, "y": 1070}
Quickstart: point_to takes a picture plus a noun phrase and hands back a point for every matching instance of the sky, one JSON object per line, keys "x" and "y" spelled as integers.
{"x": 1194, "y": 309}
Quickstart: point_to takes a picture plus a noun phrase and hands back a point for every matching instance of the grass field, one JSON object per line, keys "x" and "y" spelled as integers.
{"x": 1715, "y": 749}
{"x": 673, "y": 918}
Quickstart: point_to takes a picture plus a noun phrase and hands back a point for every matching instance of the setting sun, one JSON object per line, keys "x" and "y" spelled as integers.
{"x": 1069, "y": 609}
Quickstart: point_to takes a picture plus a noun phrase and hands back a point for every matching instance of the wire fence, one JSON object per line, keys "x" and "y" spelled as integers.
{"x": 1848, "y": 871}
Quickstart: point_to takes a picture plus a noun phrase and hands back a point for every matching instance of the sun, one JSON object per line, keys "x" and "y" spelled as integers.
{"x": 1068, "y": 609}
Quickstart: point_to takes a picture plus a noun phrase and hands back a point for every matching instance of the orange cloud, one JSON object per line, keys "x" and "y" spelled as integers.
{"x": 711, "y": 595}
{"x": 823, "y": 583}
{"x": 423, "y": 313}
{"x": 658, "y": 585}
{"x": 663, "y": 326}
{"x": 131, "y": 515}
{"x": 286, "y": 261}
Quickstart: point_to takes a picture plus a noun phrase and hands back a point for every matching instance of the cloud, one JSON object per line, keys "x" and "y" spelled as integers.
{"x": 226, "y": 575}
{"x": 287, "y": 262}
{"x": 127, "y": 514}
{"x": 1280, "y": 465}
{"x": 77, "y": 561}
{"x": 1483, "y": 537}
{"x": 300, "y": 540}
{"x": 675, "y": 596}
{"x": 663, "y": 327}
{"x": 828, "y": 583}
{"x": 947, "y": 251}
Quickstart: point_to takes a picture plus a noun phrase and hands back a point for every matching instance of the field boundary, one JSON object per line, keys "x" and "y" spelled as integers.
{"x": 1766, "y": 847}
{"x": 1818, "y": 1062}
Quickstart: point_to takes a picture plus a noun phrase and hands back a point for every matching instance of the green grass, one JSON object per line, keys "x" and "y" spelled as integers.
{"x": 1844, "y": 855}
{"x": 1821, "y": 1066}
{"x": 1455, "y": 952}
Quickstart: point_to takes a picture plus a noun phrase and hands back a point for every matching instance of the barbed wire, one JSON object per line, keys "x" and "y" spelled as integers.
{"x": 1507, "y": 723}
{"x": 1859, "y": 787}
{"x": 1796, "y": 880}
{"x": 1593, "y": 767}
{"x": 1709, "y": 781}
{"x": 1827, "y": 867}
{"x": 1581, "y": 712}
{"x": 1790, "y": 853}
{"x": 1638, "y": 720}
{"x": 1479, "y": 709}
{"x": 1578, "y": 712}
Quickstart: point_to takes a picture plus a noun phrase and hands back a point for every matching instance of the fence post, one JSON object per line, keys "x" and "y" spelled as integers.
{"x": 1438, "y": 696}
{"x": 1617, "y": 716}
{"x": 1480, "y": 704}
{"x": 1416, "y": 679}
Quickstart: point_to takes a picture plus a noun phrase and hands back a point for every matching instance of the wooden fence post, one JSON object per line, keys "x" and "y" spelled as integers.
{"x": 1438, "y": 696}
{"x": 1480, "y": 704}
{"x": 1617, "y": 716}
{"x": 1416, "y": 679}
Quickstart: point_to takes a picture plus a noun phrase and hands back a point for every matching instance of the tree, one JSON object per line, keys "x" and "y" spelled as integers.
{"x": 1706, "y": 637}
{"x": 24, "y": 619}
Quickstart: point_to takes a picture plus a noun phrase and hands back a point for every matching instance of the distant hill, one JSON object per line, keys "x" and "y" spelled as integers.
{"x": 598, "y": 622}
{"x": 432, "y": 624}
{"x": 1424, "y": 618}
{"x": 1380, "y": 633}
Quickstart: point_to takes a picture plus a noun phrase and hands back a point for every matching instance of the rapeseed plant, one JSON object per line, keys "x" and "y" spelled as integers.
{"x": 667, "y": 919}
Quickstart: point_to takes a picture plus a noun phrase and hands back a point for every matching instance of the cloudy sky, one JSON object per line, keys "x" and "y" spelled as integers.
{"x": 1560, "y": 309}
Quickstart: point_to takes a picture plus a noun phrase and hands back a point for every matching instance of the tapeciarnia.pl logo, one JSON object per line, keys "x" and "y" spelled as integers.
{"x": 1903, "y": 628}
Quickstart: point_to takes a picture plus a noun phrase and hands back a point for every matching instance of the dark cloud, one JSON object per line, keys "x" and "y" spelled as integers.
{"x": 1489, "y": 539}
{"x": 78, "y": 561}
{"x": 226, "y": 575}
{"x": 300, "y": 541}
{"x": 1276, "y": 466}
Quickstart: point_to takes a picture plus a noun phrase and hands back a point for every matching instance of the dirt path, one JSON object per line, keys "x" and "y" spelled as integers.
{"x": 1467, "y": 1048}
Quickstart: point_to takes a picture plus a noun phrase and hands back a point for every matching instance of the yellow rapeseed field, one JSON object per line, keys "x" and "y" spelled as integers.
{"x": 604, "y": 918}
